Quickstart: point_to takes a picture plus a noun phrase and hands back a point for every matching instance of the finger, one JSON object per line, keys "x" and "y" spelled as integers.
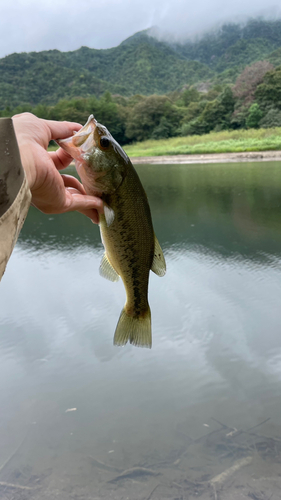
{"x": 74, "y": 200}
{"x": 61, "y": 130}
{"x": 71, "y": 182}
{"x": 92, "y": 214}
{"x": 60, "y": 158}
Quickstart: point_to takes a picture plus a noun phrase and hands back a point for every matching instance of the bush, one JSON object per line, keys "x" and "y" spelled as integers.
{"x": 271, "y": 119}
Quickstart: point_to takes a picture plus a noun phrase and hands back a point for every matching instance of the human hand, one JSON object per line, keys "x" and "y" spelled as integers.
{"x": 51, "y": 191}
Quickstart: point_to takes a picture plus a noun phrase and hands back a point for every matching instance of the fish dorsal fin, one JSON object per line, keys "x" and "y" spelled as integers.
{"x": 158, "y": 263}
{"x": 107, "y": 271}
{"x": 108, "y": 214}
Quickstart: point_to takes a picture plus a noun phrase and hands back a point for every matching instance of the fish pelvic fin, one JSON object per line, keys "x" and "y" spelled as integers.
{"x": 107, "y": 271}
{"x": 158, "y": 263}
{"x": 136, "y": 329}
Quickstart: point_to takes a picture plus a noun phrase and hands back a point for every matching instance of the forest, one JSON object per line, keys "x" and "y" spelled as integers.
{"x": 149, "y": 89}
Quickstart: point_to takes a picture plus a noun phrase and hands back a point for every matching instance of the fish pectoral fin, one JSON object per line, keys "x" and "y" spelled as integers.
{"x": 108, "y": 214}
{"x": 158, "y": 263}
{"x": 107, "y": 271}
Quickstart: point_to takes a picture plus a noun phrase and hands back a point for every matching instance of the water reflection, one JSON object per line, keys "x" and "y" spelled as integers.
{"x": 216, "y": 338}
{"x": 227, "y": 209}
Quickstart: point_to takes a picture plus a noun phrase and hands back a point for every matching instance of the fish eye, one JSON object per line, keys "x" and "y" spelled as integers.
{"x": 104, "y": 142}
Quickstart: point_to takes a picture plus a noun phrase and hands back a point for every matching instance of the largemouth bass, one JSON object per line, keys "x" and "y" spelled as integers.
{"x": 131, "y": 248}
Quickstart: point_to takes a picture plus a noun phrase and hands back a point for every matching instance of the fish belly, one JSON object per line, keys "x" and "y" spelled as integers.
{"x": 129, "y": 246}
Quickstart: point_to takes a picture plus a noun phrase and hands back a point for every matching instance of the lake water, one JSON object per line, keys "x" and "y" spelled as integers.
{"x": 189, "y": 408}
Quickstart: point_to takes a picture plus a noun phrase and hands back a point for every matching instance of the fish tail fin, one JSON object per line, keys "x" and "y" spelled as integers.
{"x": 137, "y": 330}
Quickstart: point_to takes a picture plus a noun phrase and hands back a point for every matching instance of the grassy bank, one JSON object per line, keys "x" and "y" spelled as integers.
{"x": 233, "y": 141}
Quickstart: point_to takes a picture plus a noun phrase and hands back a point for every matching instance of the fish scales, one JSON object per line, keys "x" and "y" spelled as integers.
{"x": 131, "y": 248}
{"x": 129, "y": 240}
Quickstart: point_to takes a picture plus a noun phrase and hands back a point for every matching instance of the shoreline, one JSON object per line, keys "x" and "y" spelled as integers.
{"x": 208, "y": 158}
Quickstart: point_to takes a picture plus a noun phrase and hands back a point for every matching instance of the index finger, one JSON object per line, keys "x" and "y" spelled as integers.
{"x": 62, "y": 130}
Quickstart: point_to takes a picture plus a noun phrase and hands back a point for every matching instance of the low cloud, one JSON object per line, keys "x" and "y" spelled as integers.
{"x": 68, "y": 24}
{"x": 187, "y": 21}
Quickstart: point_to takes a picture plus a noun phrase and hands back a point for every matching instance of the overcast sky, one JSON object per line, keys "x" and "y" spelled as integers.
{"x": 34, "y": 25}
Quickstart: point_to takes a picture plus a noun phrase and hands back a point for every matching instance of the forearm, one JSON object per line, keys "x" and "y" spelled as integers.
{"x": 15, "y": 196}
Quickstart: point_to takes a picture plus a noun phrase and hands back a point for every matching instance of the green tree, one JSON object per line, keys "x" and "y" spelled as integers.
{"x": 238, "y": 118}
{"x": 147, "y": 114}
{"x": 254, "y": 116}
{"x": 194, "y": 127}
{"x": 163, "y": 130}
{"x": 218, "y": 112}
{"x": 107, "y": 113}
{"x": 268, "y": 93}
{"x": 194, "y": 110}
{"x": 214, "y": 114}
{"x": 190, "y": 95}
{"x": 247, "y": 82}
{"x": 271, "y": 119}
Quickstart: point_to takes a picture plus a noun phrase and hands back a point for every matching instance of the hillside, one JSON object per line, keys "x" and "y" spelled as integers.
{"x": 234, "y": 45}
{"x": 139, "y": 65}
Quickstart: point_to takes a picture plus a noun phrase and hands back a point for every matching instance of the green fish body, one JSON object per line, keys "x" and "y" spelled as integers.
{"x": 131, "y": 248}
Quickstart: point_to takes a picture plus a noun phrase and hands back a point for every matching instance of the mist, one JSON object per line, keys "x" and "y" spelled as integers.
{"x": 68, "y": 24}
{"x": 192, "y": 21}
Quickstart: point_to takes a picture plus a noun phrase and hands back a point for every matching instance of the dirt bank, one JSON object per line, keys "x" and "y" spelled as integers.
{"x": 209, "y": 158}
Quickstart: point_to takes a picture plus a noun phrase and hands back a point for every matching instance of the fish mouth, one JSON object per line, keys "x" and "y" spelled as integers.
{"x": 81, "y": 141}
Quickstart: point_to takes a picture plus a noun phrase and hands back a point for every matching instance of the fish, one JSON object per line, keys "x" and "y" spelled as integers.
{"x": 131, "y": 247}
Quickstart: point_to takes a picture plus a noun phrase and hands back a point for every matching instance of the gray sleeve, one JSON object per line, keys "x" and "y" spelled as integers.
{"x": 15, "y": 196}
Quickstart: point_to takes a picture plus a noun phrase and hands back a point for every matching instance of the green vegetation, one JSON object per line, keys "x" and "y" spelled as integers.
{"x": 149, "y": 90}
{"x": 139, "y": 65}
{"x": 253, "y": 102}
{"x": 215, "y": 142}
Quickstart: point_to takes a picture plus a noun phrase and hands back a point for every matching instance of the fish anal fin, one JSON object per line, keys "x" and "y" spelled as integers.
{"x": 137, "y": 330}
{"x": 158, "y": 263}
{"x": 107, "y": 271}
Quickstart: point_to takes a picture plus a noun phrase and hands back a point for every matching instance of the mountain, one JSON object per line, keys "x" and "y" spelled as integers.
{"x": 141, "y": 64}
{"x": 234, "y": 44}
